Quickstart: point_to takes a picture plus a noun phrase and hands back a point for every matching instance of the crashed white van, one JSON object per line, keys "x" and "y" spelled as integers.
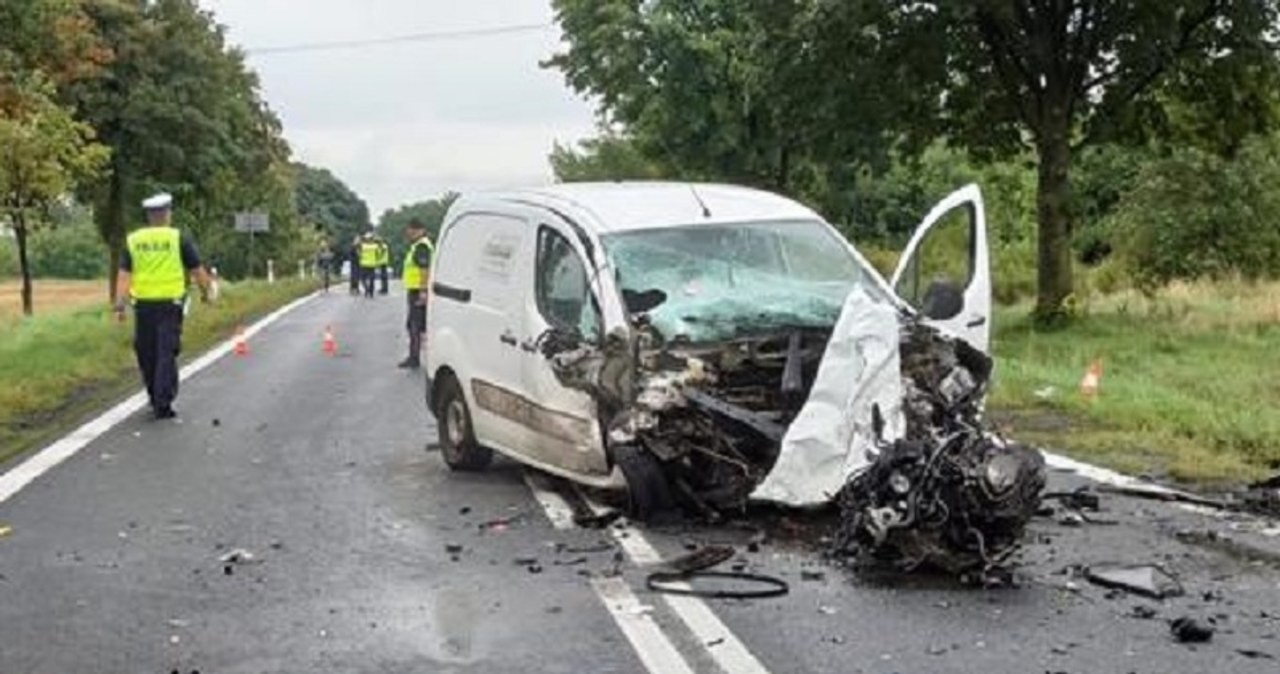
{"x": 693, "y": 344}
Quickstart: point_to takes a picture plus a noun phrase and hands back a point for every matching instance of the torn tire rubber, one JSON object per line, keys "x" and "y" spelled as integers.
{"x": 457, "y": 436}
{"x": 648, "y": 491}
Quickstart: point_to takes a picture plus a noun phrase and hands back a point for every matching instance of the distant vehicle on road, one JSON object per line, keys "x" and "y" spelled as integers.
{"x": 666, "y": 338}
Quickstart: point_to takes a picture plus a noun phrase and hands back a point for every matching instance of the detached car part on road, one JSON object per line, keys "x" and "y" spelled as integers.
{"x": 703, "y": 345}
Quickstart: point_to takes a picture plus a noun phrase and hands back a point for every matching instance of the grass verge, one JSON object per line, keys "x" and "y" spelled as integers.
{"x": 58, "y": 367}
{"x": 1190, "y": 388}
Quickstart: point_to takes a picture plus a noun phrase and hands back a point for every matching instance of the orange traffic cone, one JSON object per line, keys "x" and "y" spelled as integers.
{"x": 330, "y": 344}
{"x": 1092, "y": 380}
{"x": 242, "y": 345}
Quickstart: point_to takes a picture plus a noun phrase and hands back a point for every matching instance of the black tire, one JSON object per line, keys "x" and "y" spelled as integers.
{"x": 457, "y": 436}
{"x": 649, "y": 496}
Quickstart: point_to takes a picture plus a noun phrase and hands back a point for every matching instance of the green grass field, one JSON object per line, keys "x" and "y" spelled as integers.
{"x": 1190, "y": 390}
{"x": 69, "y": 360}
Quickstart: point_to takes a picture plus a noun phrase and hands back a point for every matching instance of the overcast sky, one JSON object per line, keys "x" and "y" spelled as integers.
{"x": 408, "y": 121}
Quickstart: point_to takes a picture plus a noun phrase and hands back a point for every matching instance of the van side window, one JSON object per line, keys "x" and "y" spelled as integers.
{"x": 563, "y": 292}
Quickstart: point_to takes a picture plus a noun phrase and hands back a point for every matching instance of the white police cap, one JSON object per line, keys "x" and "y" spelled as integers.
{"x": 158, "y": 202}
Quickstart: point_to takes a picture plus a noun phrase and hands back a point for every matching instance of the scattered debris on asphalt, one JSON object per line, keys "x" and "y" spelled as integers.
{"x": 1188, "y": 630}
{"x": 1143, "y": 612}
{"x": 950, "y": 494}
{"x": 453, "y": 548}
{"x": 5, "y": 529}
{"x": 1255, "y": 655}
{"x": 1166, "y": 494}
{"x": 239, "y": 556}
{"x": 1147, "y": 580}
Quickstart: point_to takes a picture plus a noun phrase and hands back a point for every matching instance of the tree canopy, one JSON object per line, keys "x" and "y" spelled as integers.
{"x": 327, "y": 203}
{"x": 811, "y": 97}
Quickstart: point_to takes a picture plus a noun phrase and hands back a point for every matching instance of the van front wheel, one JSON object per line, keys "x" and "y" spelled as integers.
{"x": 649, "y": 495}
{"x": 457, "y": 436}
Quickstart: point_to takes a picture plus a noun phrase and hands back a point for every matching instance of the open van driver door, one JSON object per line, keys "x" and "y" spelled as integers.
{"x": 945, "y": 271}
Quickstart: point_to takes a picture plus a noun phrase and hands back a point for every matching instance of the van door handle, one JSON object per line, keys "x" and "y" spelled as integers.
{"x": 508, "y": 339}
{"x": 976, "y": 322}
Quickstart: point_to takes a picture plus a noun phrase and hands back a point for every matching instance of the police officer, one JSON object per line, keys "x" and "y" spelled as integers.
{"x": 416, "y": 273}
{"x": 384, "y": 264}
{"x": 353, "y": 266}
{"x": 153, "y": 273}
{"x": 370, "y": 254}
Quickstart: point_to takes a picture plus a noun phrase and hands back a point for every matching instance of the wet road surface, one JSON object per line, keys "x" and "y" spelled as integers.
{"x": 368, "y": 555}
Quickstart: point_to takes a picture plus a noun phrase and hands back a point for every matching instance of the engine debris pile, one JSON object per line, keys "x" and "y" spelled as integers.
{"x": 950, "y": 494}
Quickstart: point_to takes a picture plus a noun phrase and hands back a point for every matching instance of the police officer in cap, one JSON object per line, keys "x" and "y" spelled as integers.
{"x": 416, "y": 273}
{"x": 153, "y": 274}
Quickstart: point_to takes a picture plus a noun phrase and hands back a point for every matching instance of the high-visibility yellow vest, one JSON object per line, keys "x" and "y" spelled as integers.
{"x": 384, "y": 254}
{"x": 369, "y": 254}
{"x": 410, "y": 272}
{"x": 158, "y": 272}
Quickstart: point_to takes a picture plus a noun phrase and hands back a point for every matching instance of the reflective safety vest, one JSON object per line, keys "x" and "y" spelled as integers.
{"x": 369, "y": 254}
{"x": 384, "y": 254}
{"x": 158, "y": 272}
{"x": 411, "y": 272}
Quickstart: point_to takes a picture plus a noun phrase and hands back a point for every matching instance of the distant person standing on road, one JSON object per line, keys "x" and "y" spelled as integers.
{"x": 384, "y": 264}
{"x": 153, "y": 272}
{"x": 353, "y": 266}
{"x": 416, "y": 273}
{"x": 324, "y": 262}
{"x": 370, "y": 255}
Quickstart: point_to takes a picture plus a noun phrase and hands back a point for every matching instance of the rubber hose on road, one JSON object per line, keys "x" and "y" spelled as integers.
{"x": 767, "y": 586}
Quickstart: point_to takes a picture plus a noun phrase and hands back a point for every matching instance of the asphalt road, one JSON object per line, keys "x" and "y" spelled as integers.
{"x": 368, "y": 555}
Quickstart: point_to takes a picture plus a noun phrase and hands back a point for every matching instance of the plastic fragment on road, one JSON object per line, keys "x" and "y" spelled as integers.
{"x": 5, "y": 529}
{"x": 1147, "y": 580}
{"x": 1188, "y": 630}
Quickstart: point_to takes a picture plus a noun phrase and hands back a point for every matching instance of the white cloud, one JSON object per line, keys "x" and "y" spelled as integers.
{"x": 409, "y": 121}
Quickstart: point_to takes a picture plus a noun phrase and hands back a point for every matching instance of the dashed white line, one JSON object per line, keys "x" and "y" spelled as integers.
{"x": 46, "y": 459}
{"x": 654, "y": 648}
{"x": 730, "y": 654}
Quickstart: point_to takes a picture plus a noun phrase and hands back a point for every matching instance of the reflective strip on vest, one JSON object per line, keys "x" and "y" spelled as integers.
{"x": 158, "y": 272}
{"x": 369, "y": 254}
{"x": 412, "y": 273}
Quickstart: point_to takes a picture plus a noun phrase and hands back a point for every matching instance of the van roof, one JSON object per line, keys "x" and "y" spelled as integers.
{"x": 626, "y": 206}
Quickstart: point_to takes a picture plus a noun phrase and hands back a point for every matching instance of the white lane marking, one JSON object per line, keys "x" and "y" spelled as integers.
{"x": 28, "y": 471}
{"x": 730, "y": 654}
{"x": 655, "y": 650}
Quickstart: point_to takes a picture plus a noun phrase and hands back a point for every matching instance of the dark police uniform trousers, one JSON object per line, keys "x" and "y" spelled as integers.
{"x": 157, "y": 340}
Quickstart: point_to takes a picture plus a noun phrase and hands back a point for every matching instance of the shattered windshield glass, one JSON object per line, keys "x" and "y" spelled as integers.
{"x": 733, "y": 280}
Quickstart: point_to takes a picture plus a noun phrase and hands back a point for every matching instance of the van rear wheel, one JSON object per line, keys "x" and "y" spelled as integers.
{"x": 648, "y": 490}
{"x": 457, "y": 436}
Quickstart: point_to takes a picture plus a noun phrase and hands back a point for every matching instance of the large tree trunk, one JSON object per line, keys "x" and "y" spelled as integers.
{"x": 1053, "y": 209}
{"x": 24, "y": 265}
{"x": 111, "y": 224}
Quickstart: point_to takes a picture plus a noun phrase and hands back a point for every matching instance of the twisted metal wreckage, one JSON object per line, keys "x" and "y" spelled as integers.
{"x": 880, "y": 413}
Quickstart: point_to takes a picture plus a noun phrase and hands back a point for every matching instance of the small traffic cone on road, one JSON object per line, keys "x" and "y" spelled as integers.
{"x": 330, "y": 344}
{"x": 242, "y": 345}
{"x": 1092, "y": 380}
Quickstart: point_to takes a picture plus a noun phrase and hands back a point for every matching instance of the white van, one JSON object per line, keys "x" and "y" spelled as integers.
{"x": 662, "y": 337}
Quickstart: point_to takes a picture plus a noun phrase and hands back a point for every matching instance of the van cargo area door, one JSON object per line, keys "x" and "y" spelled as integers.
{"x": 945, "y": 271}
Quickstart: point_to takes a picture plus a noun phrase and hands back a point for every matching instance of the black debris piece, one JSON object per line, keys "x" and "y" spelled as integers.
{"x": 808, "y": 575}
{"x": 453, "y": 548}
{"x": 217, "y": 421}
{"x": 464, "y": 510}
{"x": 1143, "y": 612}
{"x": 1255, "y": 655}
{"x": 702, "y": 558}
{"x": 1188, "y": 630}
{"x": 534, "y": 568}
{"x": 526, "y": 561}
{"x": 572, "y": 562}
{"x": 1147, "y": 580}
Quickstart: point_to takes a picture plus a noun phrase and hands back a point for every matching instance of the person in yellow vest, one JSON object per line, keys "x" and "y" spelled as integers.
{"x": 384, "y": 264}
{"x": 154, "y": 269}
{"x": 416, "y": 273}
{"x": 370, "y": 253}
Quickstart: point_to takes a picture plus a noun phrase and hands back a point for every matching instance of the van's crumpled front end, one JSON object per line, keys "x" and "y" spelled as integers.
{"x": 746, "y": 375}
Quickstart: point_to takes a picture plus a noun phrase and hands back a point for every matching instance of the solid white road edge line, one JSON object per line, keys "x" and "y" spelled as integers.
{"x": 28, "y": 471}
{"x": 654, "y": 648}
{"x": 729, "y": 653}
